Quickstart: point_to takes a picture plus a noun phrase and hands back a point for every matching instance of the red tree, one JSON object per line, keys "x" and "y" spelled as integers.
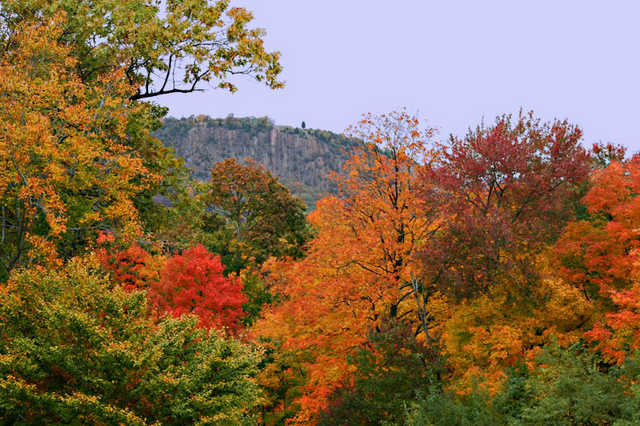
{"x": 193, "y": 283}
{"x": 509, "y": 189}
{"x": 597, "y": 253}
{"x": 130, "y": 266}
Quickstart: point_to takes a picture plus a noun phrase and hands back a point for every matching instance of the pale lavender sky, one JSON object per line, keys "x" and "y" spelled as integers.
{"x": 453, "y": 62}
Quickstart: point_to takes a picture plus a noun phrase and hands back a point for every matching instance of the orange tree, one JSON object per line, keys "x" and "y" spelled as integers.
{"x": 599, "y": 256}
{"x": 595, "y": 252}
{"x": 356, "y": 266}
{"x": 64, "y": 161}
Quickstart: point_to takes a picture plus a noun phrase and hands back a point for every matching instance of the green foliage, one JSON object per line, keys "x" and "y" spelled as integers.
{"x": 195, "y": 42}
{"x": 73, "y": 348}
{"x": 567, "y": 387}
{"x": 258, "y": 295}
{"x": 252, "y": 216}
{"x": 440, "y": 408}
{"x": 391, "y": 370}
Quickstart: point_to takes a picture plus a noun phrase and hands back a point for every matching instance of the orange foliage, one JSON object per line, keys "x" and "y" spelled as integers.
{"x": 363, "y": 253}
{"x": 64, "y": 163}
{"x": 483, "y": 336}
{"x": 595, "y": 253}
{"x": 131, "y": 266}
{"x": 599, "y": 255}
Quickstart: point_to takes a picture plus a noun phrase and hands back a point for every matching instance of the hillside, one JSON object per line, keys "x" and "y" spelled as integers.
{"x": 302, "y": 158}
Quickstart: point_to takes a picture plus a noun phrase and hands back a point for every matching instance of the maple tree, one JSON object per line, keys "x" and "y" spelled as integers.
{"x": 355, "y": 268}
{"x": 599, "y": 255}
{"x": 190, "y": 283}
{"x": 595, "y": 253}
{"x": 510, "y": 189}
{"x": 193, "y": 283}
{"x": 492, "y": 298}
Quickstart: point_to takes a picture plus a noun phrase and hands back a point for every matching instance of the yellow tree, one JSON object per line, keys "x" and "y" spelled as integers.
{"x": 65, "y": 166}
{"x": 356, "y": 267}
{"x": 155, "y": 48}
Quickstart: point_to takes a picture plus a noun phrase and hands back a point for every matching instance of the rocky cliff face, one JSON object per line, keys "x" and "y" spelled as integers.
{"x": 301, "y": 158}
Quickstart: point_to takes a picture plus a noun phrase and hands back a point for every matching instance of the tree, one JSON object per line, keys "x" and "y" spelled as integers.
{"x": 505, "y": 192}
{"x": 193, "y": 283}
{"x": 130, "y": 266}
{"x": 391, "y": 368}
{"x": 65, "y": 168}
{"x": 339, "y": 291}
{"x": 163, "y": 47}
{"x": 104, "y": 168}
{"x": 482, "y": 337}
{"x": 599, "y": 256}
{"x": 252, "y": 216}
{"x": 76, "y": 348}
{"x": 510, "y": 189}
{"x": 190, "y": 283}
{"x": 563, "y": 387}
{"x": 595, "y": 253}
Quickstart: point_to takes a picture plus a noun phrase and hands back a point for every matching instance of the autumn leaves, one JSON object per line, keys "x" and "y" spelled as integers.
{"x": 105, "y": 320}
{"x": 429, "y": 284}
{"x": 455, "y": 237}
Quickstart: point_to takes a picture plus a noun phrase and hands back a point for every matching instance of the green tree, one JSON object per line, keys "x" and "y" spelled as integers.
{"x": 74, "y": 348}
{"x": 185, "y": 43}
{"x": 252, "y": 216}
{"x": 566, "y": 387}
{"x": 390, "y": 370}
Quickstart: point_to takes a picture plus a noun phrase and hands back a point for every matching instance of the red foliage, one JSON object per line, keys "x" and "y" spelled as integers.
{"x": 619, "y": 334}
{"x": 599, "y": 254}
{"x": 595, "y": 254}
{"x": 128, "y": 265}
{"x": 508, "y": 190}
{"x": 604, "y": 154}
{"x": 193, "y": 283}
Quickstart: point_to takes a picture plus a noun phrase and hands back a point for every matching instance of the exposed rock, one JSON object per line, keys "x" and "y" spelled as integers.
{"x": 301, "y": 158}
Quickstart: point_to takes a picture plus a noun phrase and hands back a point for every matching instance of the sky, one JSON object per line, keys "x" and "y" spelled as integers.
{"x": 453, "y": 63}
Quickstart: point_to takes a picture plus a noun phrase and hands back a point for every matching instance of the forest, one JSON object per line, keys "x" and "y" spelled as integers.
{"x": 490, "y": 278}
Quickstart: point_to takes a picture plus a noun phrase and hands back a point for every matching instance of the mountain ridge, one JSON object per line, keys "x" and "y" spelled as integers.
{"x": 301, "y": 158}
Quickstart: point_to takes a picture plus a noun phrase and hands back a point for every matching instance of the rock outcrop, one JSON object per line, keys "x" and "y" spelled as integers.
{"x": 302, "y": 158}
